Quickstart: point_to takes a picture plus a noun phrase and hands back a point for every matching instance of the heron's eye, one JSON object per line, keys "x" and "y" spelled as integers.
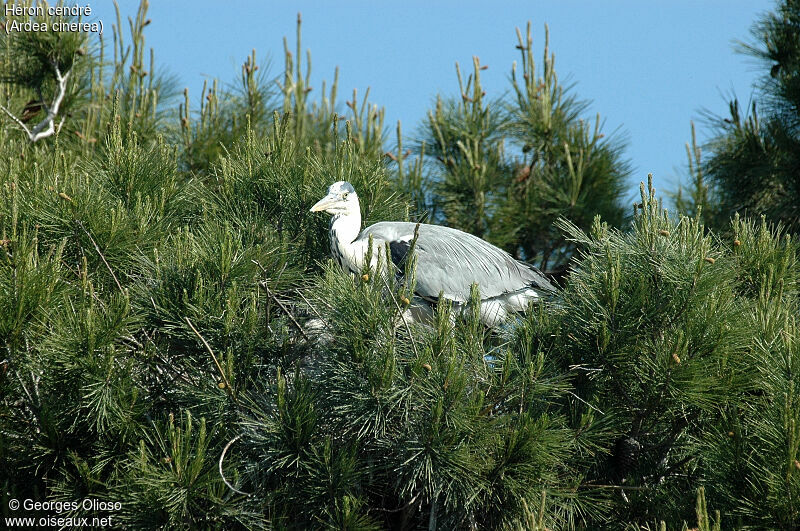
{"x": 344, "y": 195}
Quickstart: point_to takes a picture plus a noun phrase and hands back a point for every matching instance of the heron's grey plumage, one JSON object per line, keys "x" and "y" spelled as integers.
{"x": 449, "y": 261}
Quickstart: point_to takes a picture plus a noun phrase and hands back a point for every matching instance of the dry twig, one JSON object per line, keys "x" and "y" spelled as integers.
{"x": 216, "y": 362}
{"x": 47, "y": 126}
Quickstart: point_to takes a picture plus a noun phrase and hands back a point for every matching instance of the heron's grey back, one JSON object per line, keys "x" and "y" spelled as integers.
{"x": 449, "y": 261}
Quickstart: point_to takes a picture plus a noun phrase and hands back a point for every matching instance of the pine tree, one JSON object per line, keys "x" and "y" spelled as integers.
{"x": 696, "y": 199}
{"x": 569, "y": 167}
{"x": 39, "y": 66}
{"x": 173, "y": 336}
{"x": 506, "y": 169}
{"x": 753, "y": 160}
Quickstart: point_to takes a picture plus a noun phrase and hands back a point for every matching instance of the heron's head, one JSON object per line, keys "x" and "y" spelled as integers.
{"x": 341, "y": 200}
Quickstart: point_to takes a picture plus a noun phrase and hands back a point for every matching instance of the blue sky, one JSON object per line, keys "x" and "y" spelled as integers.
{"x": 649, "y": 67}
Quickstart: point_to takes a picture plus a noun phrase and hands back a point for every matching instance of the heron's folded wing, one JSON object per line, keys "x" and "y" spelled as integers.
{"x": 449, "y": 261}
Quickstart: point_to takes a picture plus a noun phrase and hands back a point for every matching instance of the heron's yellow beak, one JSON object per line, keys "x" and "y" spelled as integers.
{"x": 324, "y": 203}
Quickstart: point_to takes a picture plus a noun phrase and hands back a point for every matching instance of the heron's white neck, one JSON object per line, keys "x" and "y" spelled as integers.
{"x": 346, "y": 227}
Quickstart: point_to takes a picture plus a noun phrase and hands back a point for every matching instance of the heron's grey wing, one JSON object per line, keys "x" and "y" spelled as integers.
{"x": 449, "y": 261}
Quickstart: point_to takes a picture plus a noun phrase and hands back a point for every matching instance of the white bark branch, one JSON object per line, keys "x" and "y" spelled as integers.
{"x": 17, "y": 120}
{"x": 47, "y": 126}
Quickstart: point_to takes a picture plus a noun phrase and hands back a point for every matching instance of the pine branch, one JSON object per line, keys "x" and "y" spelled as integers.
{"x": 103, "y": 258}
{"x": 279, "y": 303}
{"x": 405, "y": 322}
{"x": 216, "y": 362}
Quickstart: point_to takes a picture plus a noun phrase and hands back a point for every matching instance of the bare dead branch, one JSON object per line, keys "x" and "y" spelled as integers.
{"x": 222, "y": 475}
{"x": 47, "y": 126}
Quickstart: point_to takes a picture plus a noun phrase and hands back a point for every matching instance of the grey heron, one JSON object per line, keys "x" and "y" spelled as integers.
{"x": 449, "y": 261}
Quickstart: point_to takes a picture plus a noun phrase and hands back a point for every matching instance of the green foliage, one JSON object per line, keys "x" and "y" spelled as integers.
{"x": 29, "y": 57}
{"x": 225, "y": 114}
{"x": 654, "y": 326}
{"x": 229, "y": 113}
{"x": 173, "y": 338}
{"x": 568, "y": 168}
{"x": 423, "y": 431}
{"x": 754, "y": 158}
{"x": 755, "y": 446}
{"x": 467, "y": 143}
{"x": 696, "y": 199}
{"x": 172, "y": 482}
{"x": 143, "y": 95}
{"x": 506, "y": 169}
